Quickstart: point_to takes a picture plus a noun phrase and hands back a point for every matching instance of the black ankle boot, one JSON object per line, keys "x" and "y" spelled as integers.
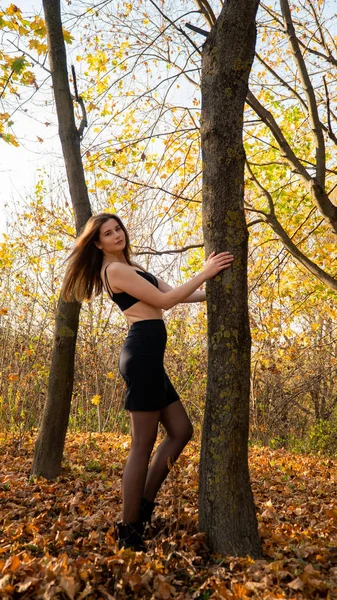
{"x": 146, "y": 510}
{"x": 131, "y": 536}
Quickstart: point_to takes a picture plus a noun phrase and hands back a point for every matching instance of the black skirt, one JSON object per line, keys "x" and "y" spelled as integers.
{"x": 141, "y": 364}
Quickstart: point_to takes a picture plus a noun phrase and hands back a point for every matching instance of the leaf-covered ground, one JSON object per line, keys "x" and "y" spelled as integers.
{"x": 57, "y": 539}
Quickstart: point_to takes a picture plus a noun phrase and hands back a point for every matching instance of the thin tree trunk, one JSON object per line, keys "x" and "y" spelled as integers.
{"x": 226, "y": 506}
{"x": 50, "y": 442}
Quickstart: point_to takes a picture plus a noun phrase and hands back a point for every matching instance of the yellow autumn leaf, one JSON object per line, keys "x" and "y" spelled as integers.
{"x": 12, "y": 10}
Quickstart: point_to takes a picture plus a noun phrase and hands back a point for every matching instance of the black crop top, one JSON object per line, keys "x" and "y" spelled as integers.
{"x": 123, "y": 299}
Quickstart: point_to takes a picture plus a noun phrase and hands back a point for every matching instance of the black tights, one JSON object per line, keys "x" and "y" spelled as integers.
{"x": 139, "y": 478}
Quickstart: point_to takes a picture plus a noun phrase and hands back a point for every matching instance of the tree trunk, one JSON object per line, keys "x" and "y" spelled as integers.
{"x": 226, "y": 506}
{"x": 50, "y": 442}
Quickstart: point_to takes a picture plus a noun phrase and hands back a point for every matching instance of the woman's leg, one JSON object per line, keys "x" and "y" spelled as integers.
{"x": 144, "y": 426}
{"x": 179, "y": 431}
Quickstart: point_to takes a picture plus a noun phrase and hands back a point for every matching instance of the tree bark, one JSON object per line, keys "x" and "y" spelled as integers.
{"x": 226, "y": 506}
{"x": 50, "y": 442}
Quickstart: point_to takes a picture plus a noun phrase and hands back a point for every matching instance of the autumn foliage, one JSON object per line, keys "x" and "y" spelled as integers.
{"x": 142, "y": 159}
{"x": 141, "y": 154}
{"x": 58, "y": 538}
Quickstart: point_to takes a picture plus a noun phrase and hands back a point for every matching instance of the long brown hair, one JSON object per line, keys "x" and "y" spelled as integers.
{"x": 82, "y": 279}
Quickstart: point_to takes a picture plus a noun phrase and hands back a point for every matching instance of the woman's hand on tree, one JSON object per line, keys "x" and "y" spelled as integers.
{"x": 216, "y": 263}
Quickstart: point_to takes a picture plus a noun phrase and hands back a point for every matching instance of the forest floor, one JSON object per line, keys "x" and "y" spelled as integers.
{"x": 57, "y": 539}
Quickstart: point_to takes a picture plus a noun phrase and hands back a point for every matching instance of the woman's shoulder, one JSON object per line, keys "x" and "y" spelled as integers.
{"x": 117, "y": 268}
{"x": 138, "y": 267}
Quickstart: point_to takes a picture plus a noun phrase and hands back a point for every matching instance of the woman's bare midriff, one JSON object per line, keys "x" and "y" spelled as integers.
{"x": 142, "y": 312}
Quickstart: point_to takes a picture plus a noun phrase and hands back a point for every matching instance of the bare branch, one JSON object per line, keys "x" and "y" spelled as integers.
{"x": 79, "y": 99}
{"x": 176, "y": 27}
{"x": 73, "y": 72}
{"x": 262, "y": 189}
{"x": 251, "y": 223}
{"x": 151, "y": 251}
{"x": 84, "y": 122}
{"x": 309, "y": 92}
{"x": 7, "y": 82}
{"x": 272, "y": 13}
{"x": 332, "y": 136}
{"x": 329, "y": 58}
{"x": 197, "y": 29}
{"x": 282, "y": 81}
{"x": 318, "y": 24}
{"x": 152, "y": 187}
{"x": 207, "y": 11}
{"x": 135, "y": 141}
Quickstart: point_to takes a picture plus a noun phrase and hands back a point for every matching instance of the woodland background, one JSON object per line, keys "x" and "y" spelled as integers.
{"x": 138, "y": 75}
{"x": 139, "y": 81}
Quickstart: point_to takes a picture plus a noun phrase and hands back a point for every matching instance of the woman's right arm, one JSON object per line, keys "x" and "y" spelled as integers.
{"x": 126, "y": 279}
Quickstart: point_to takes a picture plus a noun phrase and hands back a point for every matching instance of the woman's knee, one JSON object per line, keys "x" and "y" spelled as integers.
{"x": 183, "y": 434}
{"x": 177, "y": 423}
{"x": 142, "y": 447}
{"x": 189, "y": 431}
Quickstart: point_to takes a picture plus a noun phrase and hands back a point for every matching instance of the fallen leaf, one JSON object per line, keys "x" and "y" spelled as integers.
{"x": 296, "y": 584}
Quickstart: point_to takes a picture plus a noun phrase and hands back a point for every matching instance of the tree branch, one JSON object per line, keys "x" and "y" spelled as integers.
{"x": 286, "y": 151}
{"x": 197, "y": 29}
{"x": 282, "y": 81}
{"x": 151, "y": 251}
{"x": 7, "y": 82}
{"x": 24, "y": 52}
{"x": 272, "y": 13}
{"x": 176, "y": 27}
{"x": 79, "y": 100}
{"x": 309, "y": 92}
{"x": 299, "y": 97}
{"x": 287, "y": 242}
{"x": 258, "y": 185}
{"x": 332, "y": 136}
{"x": 330, "y": 58}
{"x": 318, "y": 194}
{"x": 207, "y": 11}
{"x": 152, "y": 187}
{"x": 255, "y": 222}
{"x": 319, "y": 27}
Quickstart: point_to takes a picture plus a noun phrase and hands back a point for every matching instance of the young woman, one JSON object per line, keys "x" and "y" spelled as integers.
{"x": 101, "y": 259}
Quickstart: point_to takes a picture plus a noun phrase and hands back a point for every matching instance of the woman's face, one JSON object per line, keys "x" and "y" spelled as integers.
{"x": 111, "y": 237}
